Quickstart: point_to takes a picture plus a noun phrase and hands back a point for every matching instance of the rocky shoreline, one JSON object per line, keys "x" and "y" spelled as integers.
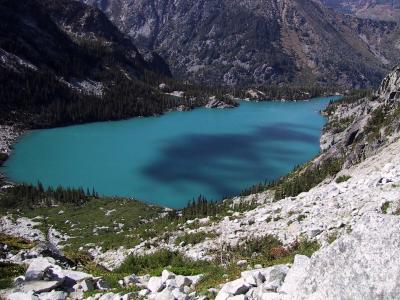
{"x": 8, "y": 136}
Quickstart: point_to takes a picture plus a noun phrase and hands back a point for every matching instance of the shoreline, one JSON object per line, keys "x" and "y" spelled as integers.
{"x": 9, "y": 134}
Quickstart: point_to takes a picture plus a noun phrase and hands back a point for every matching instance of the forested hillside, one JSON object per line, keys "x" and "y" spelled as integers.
{"x": 70, "y": 64}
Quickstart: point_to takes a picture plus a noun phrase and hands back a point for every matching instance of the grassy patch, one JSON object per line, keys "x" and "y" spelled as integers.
{"x": 8, "y": 272}
{"x": 106, "y": 222}
{"x": 342, "y": 178}
{"x": 15, "y": 243}
{"x": 194, "y": 238}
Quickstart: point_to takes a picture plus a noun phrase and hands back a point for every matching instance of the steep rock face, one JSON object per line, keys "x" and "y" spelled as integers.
{"x": 357, "y": 130}
{"x": 258, "y": 41}
{"x": 387, "y": 10}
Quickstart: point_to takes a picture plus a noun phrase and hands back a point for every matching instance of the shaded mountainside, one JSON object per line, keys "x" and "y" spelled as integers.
{"x": 64, "y": 62}
{"x": 258, "y": 41}
{"x": 386, "y": 10}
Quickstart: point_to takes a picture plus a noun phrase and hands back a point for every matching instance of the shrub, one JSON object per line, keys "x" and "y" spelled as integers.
{"x": 8, "y": 272}
{"x": 301, "y": 218}
{"x": 194, "y": 238}
{"x": 342, "y": 178}
{"x": 385, "y": 207}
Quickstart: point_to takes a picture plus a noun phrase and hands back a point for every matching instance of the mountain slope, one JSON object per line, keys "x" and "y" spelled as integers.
{"x": 261, "y": 41}
{"x": 387, "y": 10}
{"x": 64, "y": 62}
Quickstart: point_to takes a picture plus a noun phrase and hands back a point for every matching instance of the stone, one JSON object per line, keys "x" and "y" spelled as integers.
{"x": 182, "y": 281}
{"x": 295, "y": 275}
{"x": 242, "y": 263}
{"x": 195, "y": 279}
{"x": 128, "y": 296}
{"x": 165, "y": 275}
{"x": 76, "y": 295}
{"x": 38, "y": 286}
{"x": 253, "y": 278}
{"x": 37, "y": 268}
{"x": 238, "y": 297}
{"x": 131, "y": 279}
{"x": 84, "y": 285}
{"x": 236, "y": 287}
{"x": 19, "y": 280}
{"x": 143, "y": 293}
{"x": 222, "y": 295}
{"x": 102, "y": 285}
{"x": 274, "y": 277}
{"x": 179, "y": 295}
{"x": 108, "y": 296}
{"x": 53, "y": 295}
{"x": 155, "y": 284}
{"x": 76, "y": 275}
{"x": 272, "y": 296}
{"x": 22, "y": 296}
{"x": 170, "y": 283}
{"x": 166, "y": 294}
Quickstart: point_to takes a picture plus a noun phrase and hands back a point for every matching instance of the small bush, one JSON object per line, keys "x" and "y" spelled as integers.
{"x": 385, "y": 207}
{"x": 194, "y": 238}
{"x": 160, "y": 260}
{"x": 342, "y": 178}
{"x": 8, "y": 272}
{"x": 301, "y": 218}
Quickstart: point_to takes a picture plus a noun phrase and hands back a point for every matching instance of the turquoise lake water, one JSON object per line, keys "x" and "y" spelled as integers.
{"x": 171, "y": 159}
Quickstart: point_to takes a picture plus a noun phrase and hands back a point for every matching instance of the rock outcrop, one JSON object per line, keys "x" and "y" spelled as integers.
{"x": 361, "y": 265}
{"x": 214, "y": 103}
{"x": 358, "y": 129}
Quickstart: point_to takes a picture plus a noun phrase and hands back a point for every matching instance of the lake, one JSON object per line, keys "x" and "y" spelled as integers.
{"x": 169, "y": 160}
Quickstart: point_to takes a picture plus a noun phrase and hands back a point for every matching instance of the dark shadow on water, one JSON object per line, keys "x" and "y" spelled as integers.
{"x": 221, "y": 161}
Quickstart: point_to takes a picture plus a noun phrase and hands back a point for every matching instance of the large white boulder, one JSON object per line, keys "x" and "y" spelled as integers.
{"x": 155, "y": 284}
{"x": 22, "y": 296}
{"x": 53, "y": 295}
{"x": 37, "y": 268}
{"x": 166, "y": 294}
{"x": 295, "y": 275}
{"x": 364, "y": 264}
{"x": 254, "y": 277}
{"x": 236, "y": 287}
{"x": 37, "y": 286}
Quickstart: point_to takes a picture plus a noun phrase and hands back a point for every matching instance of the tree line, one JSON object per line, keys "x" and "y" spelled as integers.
{"x": 32, "y": 196}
